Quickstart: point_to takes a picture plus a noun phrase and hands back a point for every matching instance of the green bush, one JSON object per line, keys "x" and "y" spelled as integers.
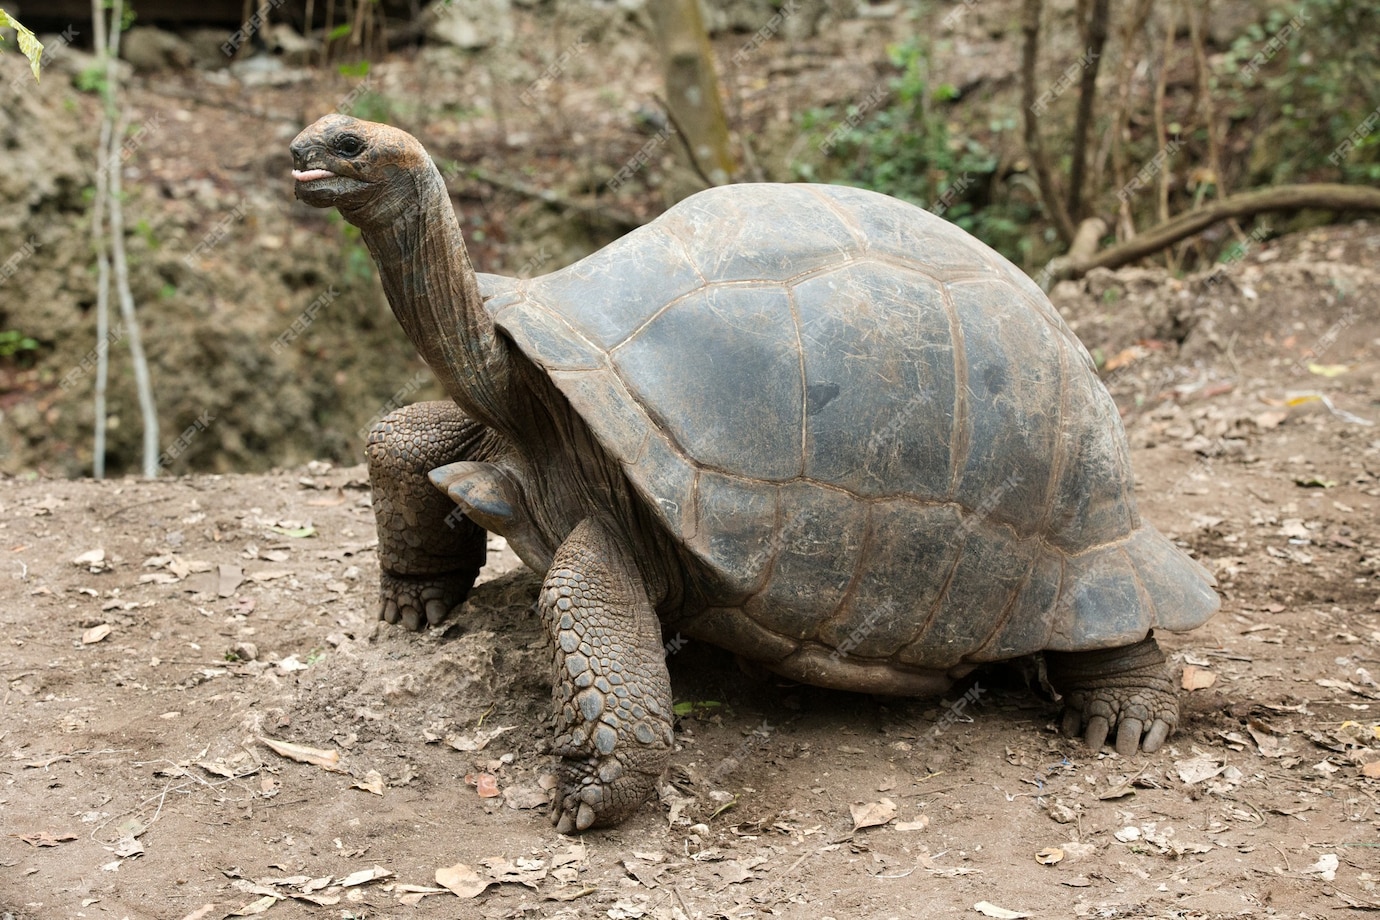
{"x": 897, "y": 141}
{"x": 1319, "y": 63}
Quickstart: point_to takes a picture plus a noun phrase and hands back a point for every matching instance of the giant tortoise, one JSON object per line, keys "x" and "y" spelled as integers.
{"x": 815, "y": 425}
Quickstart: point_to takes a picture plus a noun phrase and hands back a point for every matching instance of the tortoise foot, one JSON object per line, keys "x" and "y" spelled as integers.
{"x": 419, "y": 601}
{"x": 1122, "y": 693}
{"x": 600, "y": 791}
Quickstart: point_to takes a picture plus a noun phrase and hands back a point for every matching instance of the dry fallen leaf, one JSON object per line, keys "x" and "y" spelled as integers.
{"x": 95, "y": 634}
{"x": 372, "y": 782}
{"x": 1196, "y": 678}
{"x": 364, "y": 875}
{"x": 462, "y": 880}
{"x": 485, "y": 783}
{"x": 919, "y": 824}
{"x": 1049, "y": 856}
{"x": 1325, "y": 868}
{"x": 329, "y": 760}
{"x": 988, "y": 909}
{"x": 228, "y": 579}
{"x": 44, "y": 839}
{"x": 1328, "y": 370}
{"x": 1269, "y": 741}
{"x": 476, "y": 741}
{"x": 93, "y": 559}
{"x": 526, "y": 796}
{"x": 1371, "y": 770}
{"x": 872, "y": 814}
{"x": 1197, "y": 769}
{"x": 200, "y": 913}
{"x": 256, "y": 907}
{"x": 129, "y": 847}
{"x": 522, "y": 871}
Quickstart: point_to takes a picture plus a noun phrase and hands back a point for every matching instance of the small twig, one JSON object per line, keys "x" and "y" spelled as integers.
{"x": 909, "y": 871}
{"x": 119, "y": 511}
{"x": 1255, "y": 808}
{"x": 193, "y": 779}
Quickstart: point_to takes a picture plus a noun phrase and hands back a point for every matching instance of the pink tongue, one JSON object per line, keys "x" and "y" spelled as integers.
{"x": 307, "y": 175}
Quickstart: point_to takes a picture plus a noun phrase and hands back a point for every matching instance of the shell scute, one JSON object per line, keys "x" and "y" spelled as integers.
{"x": 886, "y": 429}
{"x": 818, "y": 543}
{"x": 911, "y": 549}
{"x": 719, "y": 370}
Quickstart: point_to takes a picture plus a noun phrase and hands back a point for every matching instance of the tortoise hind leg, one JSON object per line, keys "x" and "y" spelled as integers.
{"x": 429, "y": 553}
{"x": 1124, "y": 692}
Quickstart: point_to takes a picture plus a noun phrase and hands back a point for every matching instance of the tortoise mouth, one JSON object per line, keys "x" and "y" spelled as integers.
{"x": 322, "y": 188}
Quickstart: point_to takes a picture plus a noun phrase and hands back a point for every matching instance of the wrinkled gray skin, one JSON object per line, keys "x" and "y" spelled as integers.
{"x": 816, "y": 426}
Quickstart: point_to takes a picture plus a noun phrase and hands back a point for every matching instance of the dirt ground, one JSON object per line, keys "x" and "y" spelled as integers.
{"x": 155, "y": 634}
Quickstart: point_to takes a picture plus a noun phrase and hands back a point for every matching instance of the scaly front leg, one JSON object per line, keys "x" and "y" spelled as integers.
{"x": 611, "y": 691}
{"x": 429, "y": 553}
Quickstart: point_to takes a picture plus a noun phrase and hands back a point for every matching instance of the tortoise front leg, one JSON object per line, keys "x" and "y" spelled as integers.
{"x": 429, "y": 553}
{"x": 611, "y": 691}
{"x": 1125, "y": 693}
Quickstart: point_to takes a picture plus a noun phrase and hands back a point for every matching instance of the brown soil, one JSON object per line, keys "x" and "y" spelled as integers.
{"x": 134, "y": 683}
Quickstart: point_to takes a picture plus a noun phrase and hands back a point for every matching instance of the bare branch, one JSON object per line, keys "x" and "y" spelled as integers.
{"x": 1319, "y": 196}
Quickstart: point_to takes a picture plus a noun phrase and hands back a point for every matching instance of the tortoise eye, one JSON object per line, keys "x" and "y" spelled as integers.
{"x": 349, "y": 146}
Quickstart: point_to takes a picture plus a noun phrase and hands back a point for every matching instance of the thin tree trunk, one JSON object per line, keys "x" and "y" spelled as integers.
{"x": 110, "y": 161}
{"x": 98, "y": 239}
{"x": 692, "y": 88}
{"x": 142, "y": 382}
{"x": 1030, "y": 25}
{"x": 1095, "y": 38}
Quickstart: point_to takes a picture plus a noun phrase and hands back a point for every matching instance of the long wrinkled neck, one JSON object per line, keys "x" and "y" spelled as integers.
{"x": 432, "y": 289}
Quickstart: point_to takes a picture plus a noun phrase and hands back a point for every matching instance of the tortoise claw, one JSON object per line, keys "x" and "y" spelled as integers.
{"x": 1128, "y": 734}
{"x": 1155, "y": 737}
{"x": 1096, "y": 734}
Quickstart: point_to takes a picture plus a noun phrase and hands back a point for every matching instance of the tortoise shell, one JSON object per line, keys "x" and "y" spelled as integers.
{"x": 867, "y": 429}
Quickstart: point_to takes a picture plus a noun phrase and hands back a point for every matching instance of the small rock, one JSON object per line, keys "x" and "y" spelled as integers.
{"x": 1062, "y": 813}
{"x": 148, "y": 49}
{"x": 471, "y": 24}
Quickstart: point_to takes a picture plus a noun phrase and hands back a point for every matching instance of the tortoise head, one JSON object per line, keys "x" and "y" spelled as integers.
{"x": 367, "y": 170}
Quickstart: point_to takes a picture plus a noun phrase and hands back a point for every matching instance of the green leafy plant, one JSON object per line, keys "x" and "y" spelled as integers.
{"x": 29, "y": 46}
{"x": 1316, "y": 115}
{"x": 901, "y": 145}
{"x": 13, "y": 342}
